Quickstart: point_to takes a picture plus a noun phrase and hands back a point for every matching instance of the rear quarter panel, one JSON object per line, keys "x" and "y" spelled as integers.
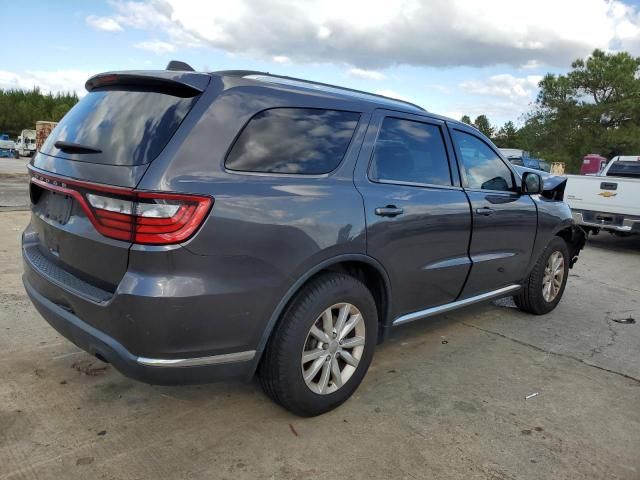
{"x": 264, "y": 231}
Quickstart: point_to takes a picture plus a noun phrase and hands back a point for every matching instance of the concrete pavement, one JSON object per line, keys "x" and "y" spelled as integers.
{"x": 444, "y": 399}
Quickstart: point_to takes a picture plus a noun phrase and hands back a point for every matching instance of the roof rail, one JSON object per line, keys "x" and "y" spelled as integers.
{"x": 178, "y": 66}
{"x": 266, "y": 76}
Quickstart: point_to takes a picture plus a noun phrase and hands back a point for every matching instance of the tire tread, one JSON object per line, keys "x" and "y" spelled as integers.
{"x": 529, "y": 298}
{"x": 274, "y": 361}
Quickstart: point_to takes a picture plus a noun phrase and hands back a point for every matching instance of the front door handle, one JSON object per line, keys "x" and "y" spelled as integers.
{"x": 486, "y": 211}
{"x": 389, "y": 211}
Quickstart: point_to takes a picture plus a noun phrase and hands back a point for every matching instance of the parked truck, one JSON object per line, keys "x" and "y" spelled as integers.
{"x": 592, "y": 164}
{"x": 7, "y": 146}
{"x": 26, "y": 144}
{"x": 610, "y": 200}
{"x": 43, "y": 129}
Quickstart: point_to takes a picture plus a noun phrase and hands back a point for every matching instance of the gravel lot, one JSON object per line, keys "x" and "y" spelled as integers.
{"x": 445, "y": 398}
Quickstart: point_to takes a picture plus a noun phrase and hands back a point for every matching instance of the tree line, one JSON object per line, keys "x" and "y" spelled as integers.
{"x": 20, "y": 109}
{"x": 594, "y": 108}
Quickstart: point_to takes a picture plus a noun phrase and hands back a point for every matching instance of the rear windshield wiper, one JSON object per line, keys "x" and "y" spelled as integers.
{"x": 68, "y": 147}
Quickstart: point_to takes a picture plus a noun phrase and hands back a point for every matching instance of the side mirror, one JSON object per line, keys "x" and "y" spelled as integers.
{"x": 531, "y": 183}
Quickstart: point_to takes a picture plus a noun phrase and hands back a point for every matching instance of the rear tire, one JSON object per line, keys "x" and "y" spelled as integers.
{"x": 545, "y": 286}
{"x": 309, "y": 338}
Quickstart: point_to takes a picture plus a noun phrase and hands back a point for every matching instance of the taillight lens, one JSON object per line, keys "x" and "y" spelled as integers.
{"x": 154, "y": 218}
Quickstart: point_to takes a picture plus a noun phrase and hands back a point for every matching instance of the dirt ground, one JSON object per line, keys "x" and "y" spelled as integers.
{"x": 445, "y": 398}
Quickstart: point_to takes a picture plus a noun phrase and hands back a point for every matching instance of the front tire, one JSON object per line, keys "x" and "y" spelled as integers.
{"x": 322, "y": 346}
{"x": 545, "y": 286}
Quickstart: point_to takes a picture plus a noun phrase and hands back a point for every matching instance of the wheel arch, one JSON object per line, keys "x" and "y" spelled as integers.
{"x": 360, "y": 266}
{"x": 575, "y": 238}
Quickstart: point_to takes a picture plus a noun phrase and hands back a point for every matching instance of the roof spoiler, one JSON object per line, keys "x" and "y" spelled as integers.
{"x": 178, "y": 66}
{"x": 181, "y": 84}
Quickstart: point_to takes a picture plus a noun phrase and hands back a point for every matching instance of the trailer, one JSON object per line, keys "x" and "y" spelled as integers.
{"x": 26, "y": 144}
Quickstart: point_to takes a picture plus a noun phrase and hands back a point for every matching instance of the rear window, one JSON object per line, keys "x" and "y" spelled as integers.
{"x": 624, "y": 169}
{"x": 130, "y": 127}
{"x": 293, "y": 140}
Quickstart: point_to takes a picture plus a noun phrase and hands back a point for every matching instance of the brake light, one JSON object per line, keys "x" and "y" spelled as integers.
{"x": 154, "y": 218}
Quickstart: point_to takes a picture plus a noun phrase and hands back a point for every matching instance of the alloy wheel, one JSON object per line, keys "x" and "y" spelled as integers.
{"x": 553, "y": 276}
{"x": 333, "y": 348}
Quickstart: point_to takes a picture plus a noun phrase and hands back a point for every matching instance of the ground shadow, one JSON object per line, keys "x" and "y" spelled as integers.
{"x": 606, "y": 241}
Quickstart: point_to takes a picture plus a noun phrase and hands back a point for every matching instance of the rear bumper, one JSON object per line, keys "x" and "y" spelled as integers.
{"x": 617, "y": 223}
{"x": 174, "y": 317}
{"x": 149, "y": 370}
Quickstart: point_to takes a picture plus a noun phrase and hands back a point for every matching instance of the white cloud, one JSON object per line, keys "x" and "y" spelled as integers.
{"x": 499, "y": 96}
{"x": 530, "y": 65}
{"x": 281, "y": 59}
{"x": 374, "y": 34}
{"x": 366, "y": 74}
{"x": 156, "y": 46}
{"x": 498, "y": 112}
{"x": 48, "y": 81}
{"x": 504, "y": 86}
{"x": 103, "y": 23}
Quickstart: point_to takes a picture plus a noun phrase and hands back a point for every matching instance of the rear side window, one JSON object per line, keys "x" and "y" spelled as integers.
{"x": 129, "y": 127}
{"x": 408, "y": 151}
{"x": 624, "y": 169}
{"x": 483, "y": 168}
{"x": 293, "y": 140}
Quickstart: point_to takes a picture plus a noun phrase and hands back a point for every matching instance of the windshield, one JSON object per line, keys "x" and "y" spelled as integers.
{"x": 129, "y": 127}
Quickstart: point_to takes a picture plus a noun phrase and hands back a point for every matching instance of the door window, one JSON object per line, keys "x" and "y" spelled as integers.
{"x": 410, "y": 152}
{"x": 483, "y": 168}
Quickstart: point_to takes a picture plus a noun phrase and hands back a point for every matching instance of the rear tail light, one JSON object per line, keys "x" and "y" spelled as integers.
{"x": 154, "y": 218}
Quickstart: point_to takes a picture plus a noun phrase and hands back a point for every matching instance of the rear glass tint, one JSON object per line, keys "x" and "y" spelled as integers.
{"x": 293, "y": 140}
{"x": 130, "y": 127}
{"x": 409, "y": 151}
{"x": 624, "y": 169}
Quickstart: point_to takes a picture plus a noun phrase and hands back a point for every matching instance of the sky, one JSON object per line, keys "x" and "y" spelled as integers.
{"x": 452, "y": 57}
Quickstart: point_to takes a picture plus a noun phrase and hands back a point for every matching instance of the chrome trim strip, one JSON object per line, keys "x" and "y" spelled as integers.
{"x": 447, "y": 263}
{"x": 410, "y": 317}
{"x": 415, "y": 184}
{"x": 489, "y": 256}
{"x": 197, "y": 361}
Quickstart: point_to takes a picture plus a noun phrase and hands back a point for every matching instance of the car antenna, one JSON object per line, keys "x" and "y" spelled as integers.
{"x": 177, "y": 65}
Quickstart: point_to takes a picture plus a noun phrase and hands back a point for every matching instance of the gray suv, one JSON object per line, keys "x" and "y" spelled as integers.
{"x": 192, "y": 226}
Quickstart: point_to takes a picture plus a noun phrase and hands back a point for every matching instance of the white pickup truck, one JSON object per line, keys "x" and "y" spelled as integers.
{"x": 610, "y": 200}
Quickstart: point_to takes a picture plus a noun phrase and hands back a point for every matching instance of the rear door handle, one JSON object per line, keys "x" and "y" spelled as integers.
{"x": 486, "y": 211}
{"x": 389, "y": 211}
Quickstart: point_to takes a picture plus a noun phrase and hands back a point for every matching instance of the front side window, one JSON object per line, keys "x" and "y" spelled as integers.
{"x": 293, "y": 140}
{"x": 483, "y": 168}
{"x": 409, "y": 151}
